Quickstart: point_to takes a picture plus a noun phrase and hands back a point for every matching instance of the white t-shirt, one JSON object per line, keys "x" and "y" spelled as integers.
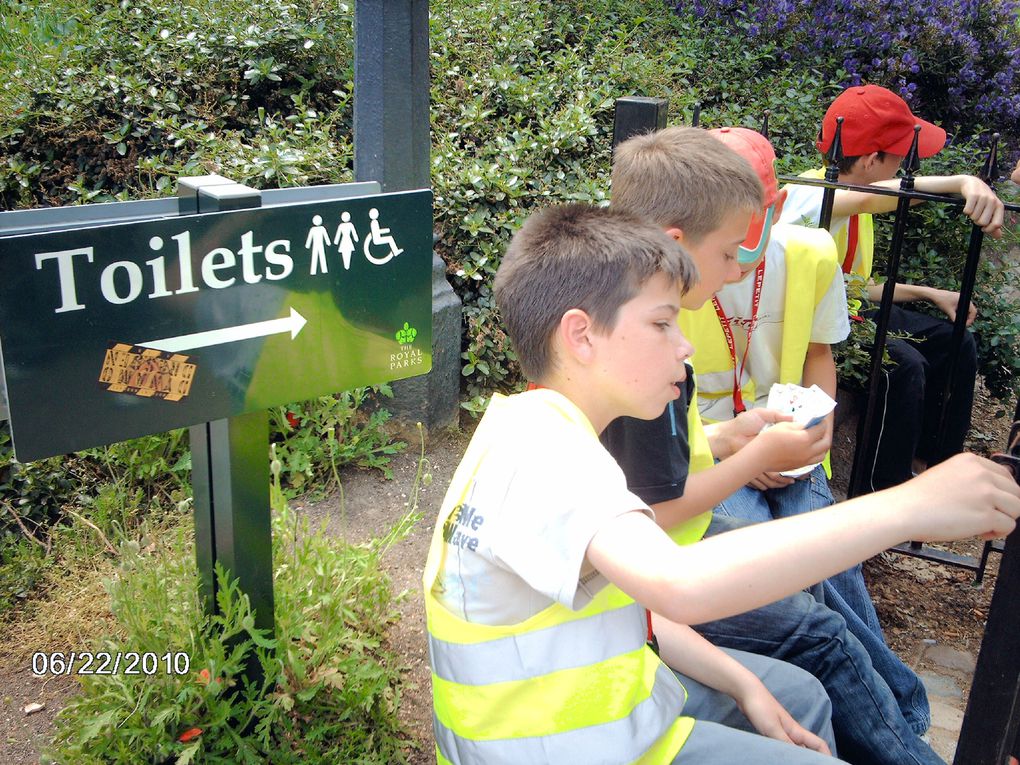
{"x": 803, "y": 207}
{"x": 534, "y": 487}
{"x": 830, "y": 324}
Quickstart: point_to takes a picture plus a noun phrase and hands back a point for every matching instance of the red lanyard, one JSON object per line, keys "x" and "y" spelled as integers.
{"x": 738, "y": 372}
{"x": 853, "y": 227}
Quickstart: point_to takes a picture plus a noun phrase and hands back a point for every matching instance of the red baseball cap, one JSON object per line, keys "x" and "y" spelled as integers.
{"x": 876, "y": 119}
{"x": 756, "y": 149}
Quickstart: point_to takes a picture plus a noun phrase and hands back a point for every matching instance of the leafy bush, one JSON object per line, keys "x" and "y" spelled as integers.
{"x": 330, "y": 688}
{"x": 107, "y": 101}
{"x": 314, "y": 438}
{"x": 954, "y": 60}
{"x": 123, "y": 97}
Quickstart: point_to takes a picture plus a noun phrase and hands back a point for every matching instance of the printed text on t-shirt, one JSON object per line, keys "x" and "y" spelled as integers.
{"x": 468, "y": 519}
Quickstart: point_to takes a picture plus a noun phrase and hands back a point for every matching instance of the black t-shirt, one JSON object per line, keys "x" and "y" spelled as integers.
{"x": 655, "y": 454}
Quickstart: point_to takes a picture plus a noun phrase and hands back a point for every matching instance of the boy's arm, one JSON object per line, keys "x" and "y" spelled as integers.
{"x": 783, "y": 447}
{"x": 689, "y": 653}
{"x": 746, "y": 568}
{"x": 982, "y": 206}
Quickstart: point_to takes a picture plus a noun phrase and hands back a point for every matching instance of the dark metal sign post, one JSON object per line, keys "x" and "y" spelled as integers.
{"x": 204, "y": 311}
{"x": 392, "y": 146}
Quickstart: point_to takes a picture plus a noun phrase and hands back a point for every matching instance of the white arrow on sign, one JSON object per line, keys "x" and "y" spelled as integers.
{"x": 292, "y": 324}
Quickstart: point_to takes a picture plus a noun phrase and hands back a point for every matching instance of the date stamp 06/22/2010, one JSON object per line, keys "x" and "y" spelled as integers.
{"x": 110, "y": 663}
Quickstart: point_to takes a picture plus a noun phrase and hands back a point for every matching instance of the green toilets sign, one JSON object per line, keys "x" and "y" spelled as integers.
{"x": 117, "y": 331}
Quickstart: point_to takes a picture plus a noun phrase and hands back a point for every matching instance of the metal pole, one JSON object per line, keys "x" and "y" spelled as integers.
{"x": 230, "y": 473}
{"x": 866, "y": 433}
{"x": 990, "y": 728}
{"x": 392, "y": 145}
{"x": 967, "y": 282}
{"x": 634, "y": 115}
{"x": 831, "y": 176}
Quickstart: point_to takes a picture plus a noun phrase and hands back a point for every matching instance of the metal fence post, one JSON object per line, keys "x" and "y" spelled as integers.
{"x": 989, "y": 728}
{"x": 966, "y": 293}
{"x": 392, "y": 146}
{"x": 866, "y": 435}
{"x": 634, "y": 115}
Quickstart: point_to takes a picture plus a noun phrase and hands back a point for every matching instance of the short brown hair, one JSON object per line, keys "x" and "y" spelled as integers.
{"x": 682, "y": 177}
{"x": 846, "y": 164}
{"x": 578, "y": 256}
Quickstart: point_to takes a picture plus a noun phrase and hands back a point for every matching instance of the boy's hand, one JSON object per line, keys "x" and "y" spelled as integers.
{"x": 743, "y": 428}
{"x": 770, "y": 719}
{"x": 771, "y": 480}
{"x": 948, "y": 301}
{"x": 965, "y": 496}
{"x": 790, "y": 446}
{"x": 982, "y": 205}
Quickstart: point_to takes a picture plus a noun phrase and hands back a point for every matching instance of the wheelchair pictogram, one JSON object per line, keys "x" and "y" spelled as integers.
{"x": 378, "y": 237}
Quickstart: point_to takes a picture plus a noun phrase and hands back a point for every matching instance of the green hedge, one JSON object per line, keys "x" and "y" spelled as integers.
{"x": 115, "y": 101}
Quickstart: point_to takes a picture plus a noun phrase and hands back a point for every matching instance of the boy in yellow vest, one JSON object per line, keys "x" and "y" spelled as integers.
{"x": 878, "y": 128}
{"x": 541, "y": 555}
{"x": 777, "y": 325}
{"x": 699, "y": 191}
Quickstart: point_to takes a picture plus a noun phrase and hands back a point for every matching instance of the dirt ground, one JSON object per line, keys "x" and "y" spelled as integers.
{"x": 916, "y": 600}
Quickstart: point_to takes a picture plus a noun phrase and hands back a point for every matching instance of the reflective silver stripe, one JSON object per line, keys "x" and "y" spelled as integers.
{"x": 719, "y": 383}
{"x": 562, "y": 646}
{"x": 610, "y": 743}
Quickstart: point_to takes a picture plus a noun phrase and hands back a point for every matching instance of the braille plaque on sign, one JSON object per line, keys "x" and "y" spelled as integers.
{"x": 118, "y": 331}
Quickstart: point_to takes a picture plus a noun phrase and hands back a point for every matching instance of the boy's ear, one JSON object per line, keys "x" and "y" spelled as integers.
{"x": 867, "y": 161}
{"x": 780, "y": 201}
{"x": 575, "y": 334}
{"x": 676, "y": 234}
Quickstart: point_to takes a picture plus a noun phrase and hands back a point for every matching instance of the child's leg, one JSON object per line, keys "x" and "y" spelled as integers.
{"x": 906, "y": 686}
{"x": 798, "y": 691}
{"x": 808, "y": 493}
{"x": 900, "y": 408}
{"x": 746, "y": 503}
{"x": 847, "y": 594}
{"x": 934, "y": 338}
{"x": 867, "y": 721}
{"x": 801, "y": 496}
{"x": 715, "y": 744}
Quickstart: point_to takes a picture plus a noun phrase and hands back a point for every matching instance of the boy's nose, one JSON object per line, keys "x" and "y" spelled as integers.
{"x": 684, "y": 350}
{"x": 735, "y": 274}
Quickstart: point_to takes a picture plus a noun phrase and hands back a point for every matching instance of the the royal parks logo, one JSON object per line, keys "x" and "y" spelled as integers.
{"x": 408, "y": 356}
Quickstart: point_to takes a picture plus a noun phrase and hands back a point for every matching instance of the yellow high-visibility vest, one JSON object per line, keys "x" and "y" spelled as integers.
{"x": 810, "y": 269}
{"x": 865, "y": 255}
{"x": 561, "y": 686}
{"x": 700, "y": 458}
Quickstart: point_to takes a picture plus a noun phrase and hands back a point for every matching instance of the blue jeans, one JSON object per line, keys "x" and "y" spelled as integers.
{"x": 845, "y": 593}
{"x": 723, "y": 735}
{"x": 868, "y": 725}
